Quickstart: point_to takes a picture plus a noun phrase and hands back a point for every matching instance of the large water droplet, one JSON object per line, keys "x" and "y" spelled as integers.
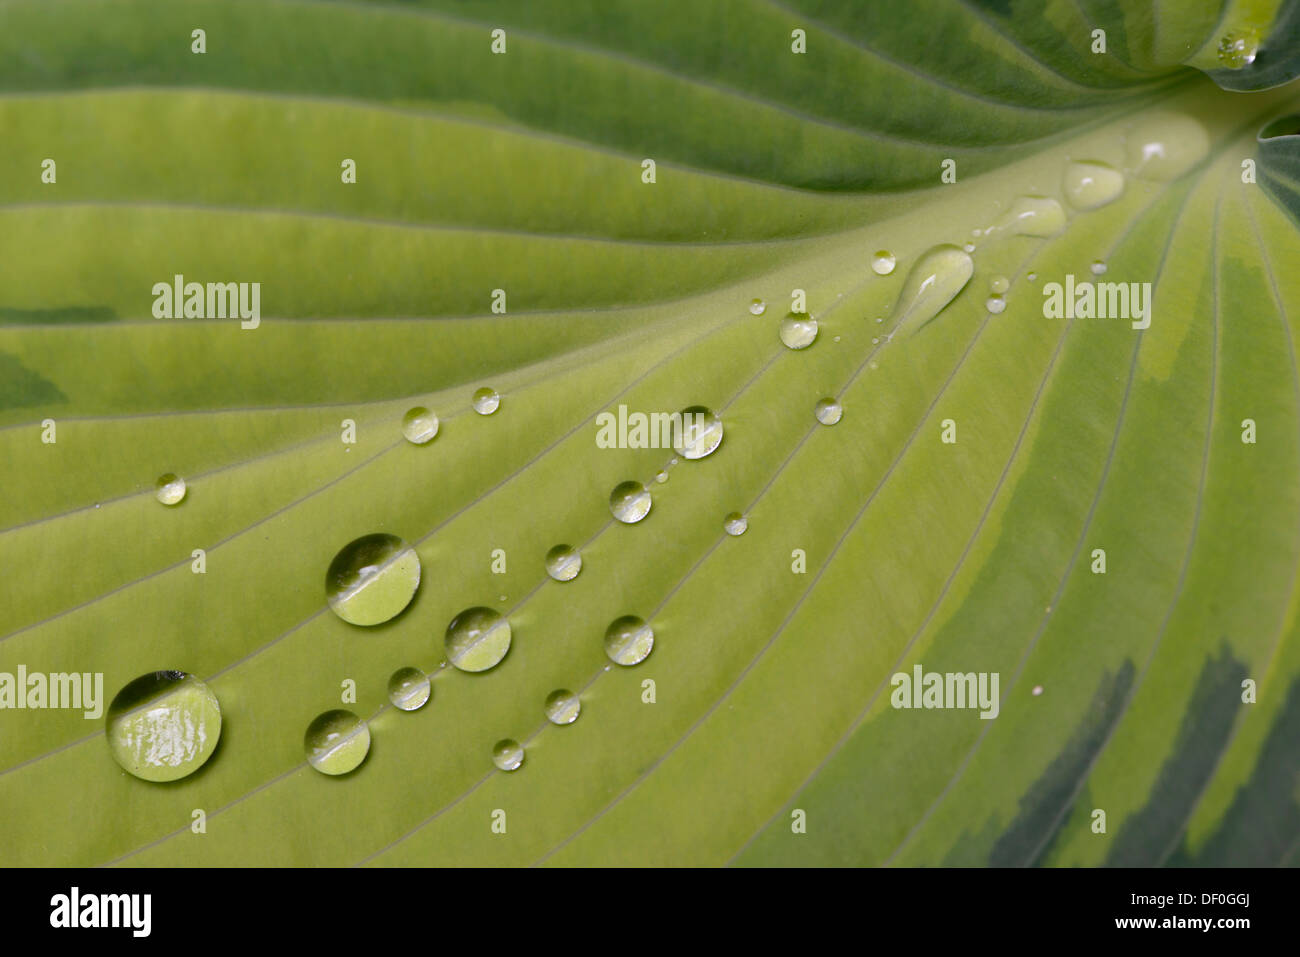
{"x": 828, "y": 411}
{"x": 934, "y": 281}
{"x": 419, "y": 425}
{"x": 1238, "y": 48}
{"x": 170, "y": 489}
{"x": 883, "y": 262}
{"x": 372, "y": 579}
{"x": 562, "y": 707}
{"x": 628, "y": 640}
{"x": 629, "y": 502}
{"x": 163, "y": 725}
{"x": 757, "y": 307}
{"x": 1091, "y": 184}
{"x": 798, "y": 331}
{"x": 508, "y": 754}
{"x": 486, "y": 400}
{"x": 477, "y": 639}
{"x": 1166, "y": 145}
{"x": 735, "y": 524}
{"x": 336, "y": 742}
{"x": 1039, "y": 216}
{"x": 563, "y": 562}
{"x": 700, "y": 434}
{"x": 409, "y": 689}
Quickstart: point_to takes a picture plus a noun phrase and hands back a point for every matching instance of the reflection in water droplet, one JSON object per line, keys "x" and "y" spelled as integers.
{"x": 508, "y": 754}
{"x": 170, "y": 489}
{"x": 995, "y": 304}
{"x": 829, "y": 411}
{"x": 661, "y": 476}
{"x": 337, "y": 742}
{"x": 798, "y": 332}
{"x": 419, "y": 425}
{"x": 999, "y": 284}
{"x": 630, "y": 502}
{"x": 1166, "y": 145}
{"x": 162, "y": 726}
{"x": 735, "y": 524}
{"x": 934, "y": 281}
{"x": 563, "y": 707}
{"x": 757, "y": 307}
{"x": 1238, "y": 48}
{"x": 700, "y": 434}
{"x": 477, "y": 639}
{"x": 1089, "y": 185}
{"x": 882, "y": 262}
{"x": 628, "y": 640}
{"x": 409, "y": 689}
{"x": 1039, "y": 216}
{"x": 1098, "y": 268}
{"x": 563, "y": 562}
{"x": 372, "y": 579}
{"x": 486, "y": 401}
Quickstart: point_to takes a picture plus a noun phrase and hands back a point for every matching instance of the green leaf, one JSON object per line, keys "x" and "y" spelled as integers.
{"x": 775, "y": 171}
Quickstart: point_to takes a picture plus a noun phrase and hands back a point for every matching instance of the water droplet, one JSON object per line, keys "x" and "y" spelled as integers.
{"x": 163, "y": 726}
{"x": 1038, "y": 689}
{"x": 969, "y": 247}
{"x": 508, "y": 754}
{"x": 563, "y": 562}
{"x": 486, "y": 401}
{"x": 409, "y": 689}
{"x": 700, "y": 434}
{"x": 1098, "y": 268}
{"x": 477, "y": 639}
{"x": 829, "y": 411}
{"x": 798, "y": 332}
{"x": 630, "y": 502}
{"x": 337, "y": 742}
{"x": 883, "y": 262}
{"x": 735, "y": 524}
{"x": 1039, "y": 216}
{"x": 563, "y": 707}
{"x": 995, "y": 304}
{"x": 661, "y": 476}
{"x": 999, "y": 284}
{"x": 628, "y": 640}
{"x": 874, "y": 340}
{"x": 1032, "y": 276}
{"x": 1091, "y": 184}
{"x": 1166, "y": 146}
{"x": 372, "y": 579}
{"x": 419, "y": 425}
{"x": 170, "y": 489}
{"x": 880, "y": 318}
{"x": 1238, "y": 48}
{"x": 757, "y": 307}
{"x": 934, "y": 281}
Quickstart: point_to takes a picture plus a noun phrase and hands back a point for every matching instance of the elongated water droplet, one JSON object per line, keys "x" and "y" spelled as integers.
{"x": 934, "y": 281}
{"x": 1092, "y": 184}
{"x": 409, "y": 689}
{"x": 508, "y": 754}
{"x": 563, "y": 707}
{"x": 372, "y": 579}
{"x": 477, "y": 639}
{"x": 828, "y": 411}
{"x": 995, "y": 304}
{"x": 170, "y": 489}
{"x": 1098, "y": 267}
{"x": 798, "y": 331}
{"x": 563, "y": 562}
{"x": 163, "y": 726}
{"x": 700, "y": 434}
{"x": 630, "y": 502}
{"x": 1039, "y": 216}
{"x": 1166, "y": 145}
{"x": 883, "y": 262}
{"x": 757, "y": 307}
{"x": 999, "y": 284}
{"x": 337, "y": 742}
{"x": 1238, "y": 48}
{"x": 486, "y": 401}
{"x": 735, "y": 524}
{"x": 628, "y": 640}
{"x": 419, "y": 425}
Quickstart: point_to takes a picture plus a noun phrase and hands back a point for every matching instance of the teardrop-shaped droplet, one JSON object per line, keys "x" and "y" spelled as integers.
{"x": 1092, "y": 184}
{"x": 995, "y": 304}
{"x": 562, "y": 707}
{"x": 828, "y": 411}
{"x": 163, "y": 725}
{"x": 170, "y": 489}
{"x": 1098, "y": 268}
{"x": 337, "y": 742}
{"x": 486, "y": 400}
{"x": 409, "y": 689}
{"x": 563, "y": 562}
{"x": 798, "y": 331}
{"x": 757, "y": 307}
{"x": 372, "y": 579}
{"x": 419, "y": 425}
{"x": 1039, "y": 216}
{"x": 1165, "y": 146}
{"x": 883, "y": 262}
{"x": 735, "y": 524}
{"x": 477, "y": 639}
{"x": 630, "y": 502}
{"x": 999, "y": 284}
{"x": 628, "y": 640}
{"x": 508, "y": 754}
{"x": 700, "y": 433}
{"x": 934, "y": 281}
{"x": 1238, "y": 48}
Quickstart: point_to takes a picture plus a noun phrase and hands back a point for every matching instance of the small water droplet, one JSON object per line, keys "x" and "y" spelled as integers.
{"x": 798, "y": 332}
{"x": 372, "y": 579}
{"x": 1032, "y": 276}
{"x": 1092, "y": 184}
{"x": 995, "y": 304}
{"x": 661, "y": 476}
{"x": 630, "y": 502}
{"x": 1038, "y": 689}
{"x": 999, "y": 284}
{"x": 757, "y": 307}
{"x": 409, "y": 689}
{"x": 1039, "y": 216}
{"x": 508, "y": 754}
{"x": 883, "y": 262}
{"x": 875, "y": 340}
{"x": 170, "y": 489}
{"x": 419, "y": 425}
{"x": 1098, "y": 268}
{"x": 628, "y": 640}
{"x": 735, "y": 524}
{"x": 934, "y": 281}
{"x": 337, "y": 742}
{"x": 1238, "y": 48}
{"x": 486, "y": 401}
{"x": 969, "y": 247}
{"x": 563, "y": 707}
{"x": 700, "y": 434}
{"x": 163, "y": 725}
{"x": 829, "y": 411}
{"x": 836, "y": 339}
{"x": 880, "y": 318}
{"x": 1166, "y": 145}
{"x": 563, "y": 562}
{"x": 477, "y": 639}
